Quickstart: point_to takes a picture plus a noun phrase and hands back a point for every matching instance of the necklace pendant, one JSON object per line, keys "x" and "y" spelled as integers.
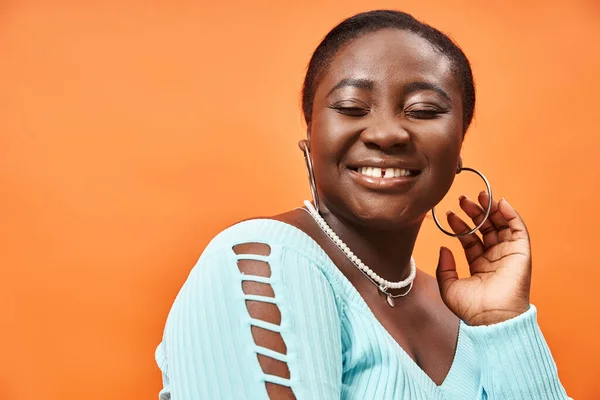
{"x": 388, "y": 297}
{"x": 390, "y": 301}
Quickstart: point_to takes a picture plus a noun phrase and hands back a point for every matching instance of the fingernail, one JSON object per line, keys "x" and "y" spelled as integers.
{"x": 482, "y": 192}
{"x": 449, "y": 212}
{"x": 462, "y": 197}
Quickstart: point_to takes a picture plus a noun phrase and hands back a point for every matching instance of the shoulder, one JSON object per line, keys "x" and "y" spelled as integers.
{"x": 281, "y": 245}
{"x": 246, "y": 257}
{"x": 292, "y": 255}
{"x": 265, "y": 235}
{"x": 260, "y": 258}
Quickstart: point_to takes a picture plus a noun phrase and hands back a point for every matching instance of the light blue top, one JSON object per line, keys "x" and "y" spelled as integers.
{"x": 336, "y": 348}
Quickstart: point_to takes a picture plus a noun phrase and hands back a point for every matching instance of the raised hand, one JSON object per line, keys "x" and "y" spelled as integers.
{"x": 499, "y": 263}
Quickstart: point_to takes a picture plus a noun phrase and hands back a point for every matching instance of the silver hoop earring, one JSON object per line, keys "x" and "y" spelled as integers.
{"x": 311, "y": 176}
{"x": 487, "y": 211}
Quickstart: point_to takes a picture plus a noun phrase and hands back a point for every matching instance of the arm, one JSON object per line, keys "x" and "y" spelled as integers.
{"x": 253, "y": 322}
{"x": 494, "y": 303}
{"x": 515, "y": 360}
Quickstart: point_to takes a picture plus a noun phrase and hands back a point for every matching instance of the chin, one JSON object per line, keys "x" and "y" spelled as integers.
{"x": 385, "y": 213}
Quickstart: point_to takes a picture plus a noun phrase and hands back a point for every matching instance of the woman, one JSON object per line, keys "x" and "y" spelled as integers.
{"x": 325, "y": 302}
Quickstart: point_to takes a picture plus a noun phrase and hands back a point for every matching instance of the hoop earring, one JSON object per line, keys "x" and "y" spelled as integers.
{"x": 487, "y": 211}
{"x": 311, "y": 176}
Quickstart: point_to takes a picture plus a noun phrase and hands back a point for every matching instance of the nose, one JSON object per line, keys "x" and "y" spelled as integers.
{"x": 386, "y": 134}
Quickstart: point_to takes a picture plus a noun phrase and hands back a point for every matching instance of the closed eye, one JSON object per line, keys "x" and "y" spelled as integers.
{"x": 424, "y": 114}
{"x": 352, "y": 111}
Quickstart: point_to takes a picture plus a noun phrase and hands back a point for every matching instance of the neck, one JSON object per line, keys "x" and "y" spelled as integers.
{"x": 387, "y": 252}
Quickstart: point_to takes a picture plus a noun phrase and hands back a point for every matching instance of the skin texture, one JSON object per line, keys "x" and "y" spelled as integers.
{"x": 402, "y": 105}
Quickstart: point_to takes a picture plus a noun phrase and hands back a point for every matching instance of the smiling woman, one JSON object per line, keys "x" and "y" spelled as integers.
{"x": 326, "y": 301}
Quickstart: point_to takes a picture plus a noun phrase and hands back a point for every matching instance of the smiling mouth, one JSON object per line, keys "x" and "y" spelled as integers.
{"x": 386, "y": 173}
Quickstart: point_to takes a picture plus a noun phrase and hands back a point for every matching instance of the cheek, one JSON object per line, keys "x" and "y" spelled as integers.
{"x": 321, "y": 148}
{"x": 326, "y": 133}
{"x": 330, "y": 141}
{"x": 443, "y": 152}
{"x": 441, "y": 141}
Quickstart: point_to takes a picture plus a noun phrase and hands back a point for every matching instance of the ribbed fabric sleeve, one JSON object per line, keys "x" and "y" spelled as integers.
{"x": 208, "y": 351}
{"x": 336, "y": 348}
{"x": 516, "y": 361}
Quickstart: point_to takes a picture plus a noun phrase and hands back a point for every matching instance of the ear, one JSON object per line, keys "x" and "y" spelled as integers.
{"x": 303, "y": 144}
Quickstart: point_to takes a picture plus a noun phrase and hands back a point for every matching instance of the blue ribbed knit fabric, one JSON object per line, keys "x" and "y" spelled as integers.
{"x": 336, "y": 348}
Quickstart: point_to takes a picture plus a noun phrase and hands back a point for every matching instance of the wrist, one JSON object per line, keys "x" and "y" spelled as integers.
{"x": 493, "y": 317}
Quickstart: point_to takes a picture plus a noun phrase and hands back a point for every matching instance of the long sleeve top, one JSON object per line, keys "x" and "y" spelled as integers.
{"x": 336, "y": 348}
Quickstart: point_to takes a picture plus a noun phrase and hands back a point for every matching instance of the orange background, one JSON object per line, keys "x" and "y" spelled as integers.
{"x": 132, "y": 133}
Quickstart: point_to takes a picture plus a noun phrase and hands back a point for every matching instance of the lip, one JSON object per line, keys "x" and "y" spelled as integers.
{"x": 390, "y": 184}
{"x": 384, "y": 164}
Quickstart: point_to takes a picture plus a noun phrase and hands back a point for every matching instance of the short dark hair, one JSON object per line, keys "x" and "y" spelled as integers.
{"x": 373, "y": 21}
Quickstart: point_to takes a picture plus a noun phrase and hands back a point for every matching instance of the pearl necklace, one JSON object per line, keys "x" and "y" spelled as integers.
{"x": 382, "y": 284}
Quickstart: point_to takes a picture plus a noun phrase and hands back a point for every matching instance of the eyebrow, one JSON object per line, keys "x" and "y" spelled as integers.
{"x": 407, "y": 89}
{"x": 354, "y": 82}
{"x": 417, "y": 86}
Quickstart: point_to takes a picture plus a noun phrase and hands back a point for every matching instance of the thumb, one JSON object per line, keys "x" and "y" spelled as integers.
{"x": 446, "y": 271}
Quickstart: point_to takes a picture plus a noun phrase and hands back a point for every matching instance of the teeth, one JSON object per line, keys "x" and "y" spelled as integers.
{"x": 383, "y": 172}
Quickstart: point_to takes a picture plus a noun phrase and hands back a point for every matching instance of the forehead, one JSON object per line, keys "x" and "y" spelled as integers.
{"x": 392, "y": 57}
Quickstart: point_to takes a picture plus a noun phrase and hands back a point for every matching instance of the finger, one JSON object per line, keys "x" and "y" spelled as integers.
{"x": 445, "y": 272}
{"x": 477, "y": 213}
{"x": 514, "y": 220}
{"x": 496, "y": 217}
{"x": 471, "y": 243}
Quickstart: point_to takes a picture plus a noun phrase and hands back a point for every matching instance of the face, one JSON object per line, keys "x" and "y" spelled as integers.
{"x": 386, "y": 130}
